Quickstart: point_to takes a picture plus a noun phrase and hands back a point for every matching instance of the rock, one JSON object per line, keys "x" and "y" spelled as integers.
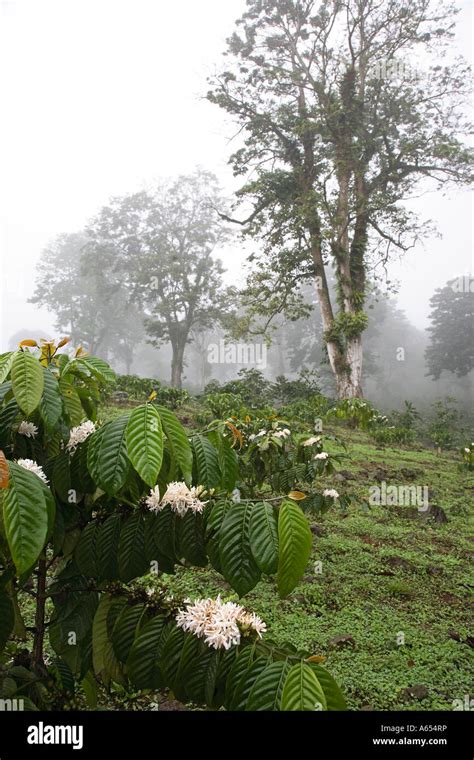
{"x": 172, "y": 705}
{"x": 409, "y": 474}
{"x": 434, "y": 570}
{"x": 343, "y": 475}
{"x": 448, "y": 598}
{"x": 343, "y": 640}
{"x": 399, "y": 562}
{"x": 299, "y": 598}
{"x": 318, "y": 530}
{"x": 437, "y": 514}
{"x": 469, "y": 640}
{"x": 415, "y": 692}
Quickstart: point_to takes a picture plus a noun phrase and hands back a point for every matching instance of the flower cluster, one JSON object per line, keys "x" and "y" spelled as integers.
{"x": 28, "y": 428}
{"x": 29, "y": 464}
{"x": 331, "y": 493}
{"x": 79, "y": 434}
{"x": 282, "y": 433}
{"x": 276, "y": 433}
{"x": 178, "y": 496}
{"x": 322, "y": 455}
{"x": 312, "y": 441}
{"x": 220, "y": 624}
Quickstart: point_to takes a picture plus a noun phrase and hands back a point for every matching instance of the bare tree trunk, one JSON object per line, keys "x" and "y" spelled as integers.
{"x": 177, "y": 366}
{"x": 349, "y": 380}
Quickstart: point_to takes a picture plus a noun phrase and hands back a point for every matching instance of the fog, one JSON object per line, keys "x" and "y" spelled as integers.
{"x": 101, "y": 97}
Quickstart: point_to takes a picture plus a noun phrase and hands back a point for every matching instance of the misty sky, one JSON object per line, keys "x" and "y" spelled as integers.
{"x": 101, "y": 96}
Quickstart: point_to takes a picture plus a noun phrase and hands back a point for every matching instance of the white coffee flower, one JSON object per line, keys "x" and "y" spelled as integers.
{"x": 261, "y": 432}
{"x": 218, "y": 623}
{"x": 153, "y": 500}
{"x": 28, "y": 428}
{"x": 29, "y": 464}
{"x": 79, "y": 434}
{"x": 311, "y": 441}
{"x": 322, "y": 455}
{"x": 194, "y": 503}
{"x": 282, "y": 433}
{"x": 181, "y": 498}
{"x": 331, "y": 493}
{"x": 468, "y": 451}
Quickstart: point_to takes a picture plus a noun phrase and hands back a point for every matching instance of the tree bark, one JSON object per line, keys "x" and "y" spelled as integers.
{"x": 349, "y": 380}
{"x": 177, "y": 362}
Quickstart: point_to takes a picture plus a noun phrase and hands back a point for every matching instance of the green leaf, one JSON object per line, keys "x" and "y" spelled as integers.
{"x": 72, "y": 402}
{"x": 143, "y": 661}
{"x": 264, "y": 537}
{"x": 7, "y": 618}
{"x": 267, "y": 689}
{"x": 302, "y": 690}
{"x": 61, "y": 477}
{"x": 27, "y": 381}
{"x": 107, "y": 543}
{"x": 170, "y": 655}
{"x": 238, "y": 565}
{"x": 89, "y": 687}
{"x": 241, "y": 664}
{"x": 26, "y": 518}
{"x": 192, "y": 670}
{"x": 85, "y": 553}
{"x": 178, "y": 442}
{"x": 106, "y": 666}
{"x": 51, "y": 404}
{"x": 191, "y": 539}
{"x": 6, "y": 361}
{"x": 145, "y": 442}
{"x": 213, "y": 527}
{"x": 206, "y": 462}
{"x": 7, "y": 418}
{"x": 5, "y": 389}
{"x": 125, "y": 629}
{"x": 108, "y": 460}
{"x": 295, "y": 542}
{"x": 164, "y": 532}
{"x": 246, "y": 683}
{"x": 131, "y": 553}
{"x": 228, "y": 460}
{"x": 97, "y": 367}
{"x": 334, "y": 697}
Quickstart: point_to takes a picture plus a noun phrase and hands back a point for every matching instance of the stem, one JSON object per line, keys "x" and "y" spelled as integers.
{"x": 38, "y": 661}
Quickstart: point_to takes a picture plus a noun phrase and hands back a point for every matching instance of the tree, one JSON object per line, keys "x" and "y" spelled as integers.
{"x": 162, "y": 242}
{"x": 88, "y": 299}
{"x": 451, "y": 344}
{"x": 338, "y": 132}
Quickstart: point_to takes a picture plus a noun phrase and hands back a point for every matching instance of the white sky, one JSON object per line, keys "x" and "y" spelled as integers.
{"x": 101, "y": 96}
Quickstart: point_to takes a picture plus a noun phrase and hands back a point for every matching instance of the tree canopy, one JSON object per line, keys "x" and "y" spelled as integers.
{"x": 337, "y": 132}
